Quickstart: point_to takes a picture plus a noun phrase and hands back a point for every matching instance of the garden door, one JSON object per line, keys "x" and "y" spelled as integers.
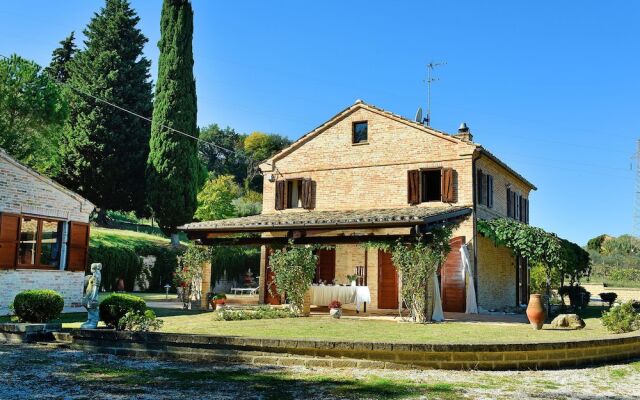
{"x": 452, "y": 279}
{"x": 522, "y": 280}
{"x": 269, "y": 282}
{"x": 326, "y": 269}
{"x": 387, "y": 282}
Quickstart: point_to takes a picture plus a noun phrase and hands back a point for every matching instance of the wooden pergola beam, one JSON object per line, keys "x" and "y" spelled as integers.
{"x": 258, "y": 241}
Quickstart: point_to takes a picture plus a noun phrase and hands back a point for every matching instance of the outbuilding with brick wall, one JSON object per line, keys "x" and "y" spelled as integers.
{"x": 44, "y": 235}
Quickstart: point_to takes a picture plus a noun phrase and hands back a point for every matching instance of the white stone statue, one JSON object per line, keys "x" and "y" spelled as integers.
{"x": 90, "y": 298}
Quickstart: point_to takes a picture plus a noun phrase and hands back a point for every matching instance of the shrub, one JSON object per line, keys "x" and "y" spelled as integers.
{"x": 38, "y": 305}
{"x": 609, "y": 297}
{"x": 622, "y": 318}
{"x": 117, "y": 305}
{"x": 140, "y": 322}
{"x": 578, "y": 295}
{"x": 262, "y": 312}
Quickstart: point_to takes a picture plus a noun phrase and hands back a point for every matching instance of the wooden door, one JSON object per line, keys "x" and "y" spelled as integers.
{"x": 452, "y": 279}
{"x": 269, "y": 297}
{"x": 387, "y": 282}
{"x": 326, "y": 269}
{"x": 522, "y": 281}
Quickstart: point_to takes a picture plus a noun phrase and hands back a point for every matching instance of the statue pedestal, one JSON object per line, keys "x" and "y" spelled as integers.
{"x": 93, "y": 317}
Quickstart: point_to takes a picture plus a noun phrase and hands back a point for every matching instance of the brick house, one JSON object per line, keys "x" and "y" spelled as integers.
{"x": 44, "y": 235}
{"x": 369, "y": 174}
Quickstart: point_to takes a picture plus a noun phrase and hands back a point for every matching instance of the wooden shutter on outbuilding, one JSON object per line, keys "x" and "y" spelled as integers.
{"x": 9, "y": 239}
{"x": 280, "y": 195}
{"x": 78, "y": 246}
{"x": 490, "y": 191}
{"x": 448, "y": 195}
{"x": 413, "y": 186}
{"x": 509, "y": 213}
{"x": 308, "y": 193}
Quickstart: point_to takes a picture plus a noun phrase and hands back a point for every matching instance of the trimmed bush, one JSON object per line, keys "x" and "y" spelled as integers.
{"x": 117, "y": 305}
{"x": 38, "y": 305}
{"x": 260, "y": 312}
{"x": 578, "y": 295}
{"x": 622, "y": 318}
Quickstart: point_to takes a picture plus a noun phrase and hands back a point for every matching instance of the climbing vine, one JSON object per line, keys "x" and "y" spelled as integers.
{"x": 416, "y": 262}
{"x": 294, "y": 267}
{"x": 188, "y": 274}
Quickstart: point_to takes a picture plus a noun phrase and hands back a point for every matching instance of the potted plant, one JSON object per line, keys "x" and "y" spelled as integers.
{"x": 335, "y": 309}
{"x": 218, "y": 300}
{"x": 352, "y": 279}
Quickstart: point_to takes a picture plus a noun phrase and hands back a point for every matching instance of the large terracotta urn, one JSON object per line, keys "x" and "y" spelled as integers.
{"x": 535, "y": 311}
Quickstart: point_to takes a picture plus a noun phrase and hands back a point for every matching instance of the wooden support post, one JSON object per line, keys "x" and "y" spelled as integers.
{"x": 206, "y": 285}
{"x": 306, "y": 304}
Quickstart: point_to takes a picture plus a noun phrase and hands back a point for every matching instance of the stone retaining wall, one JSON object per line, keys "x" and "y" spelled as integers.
{"x": 445, "y": 356}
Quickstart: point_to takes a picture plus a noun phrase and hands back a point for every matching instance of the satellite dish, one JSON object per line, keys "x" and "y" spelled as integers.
{"x": 419, "y": 115}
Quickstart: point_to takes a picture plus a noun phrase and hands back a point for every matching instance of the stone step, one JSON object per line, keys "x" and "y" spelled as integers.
{"x": 63, "y": 337}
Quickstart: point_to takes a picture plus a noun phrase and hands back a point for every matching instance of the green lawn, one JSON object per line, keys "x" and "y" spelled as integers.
{"x": 378, "y": 330}
{"x": 124, "y": 238}
{"x": 326, "y": 328}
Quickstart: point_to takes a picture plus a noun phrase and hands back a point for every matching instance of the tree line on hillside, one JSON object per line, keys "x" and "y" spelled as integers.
{"x": 616, "y": 260}
{"x": 61, "y": 121}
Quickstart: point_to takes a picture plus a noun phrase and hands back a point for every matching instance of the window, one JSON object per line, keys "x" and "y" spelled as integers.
{"x": 40, "y": 242}
{"x": 294, "y": 191}
{"x": 360, "y": 132}
{"x": 431, "y": 185}
{"x": 484, "y": 188}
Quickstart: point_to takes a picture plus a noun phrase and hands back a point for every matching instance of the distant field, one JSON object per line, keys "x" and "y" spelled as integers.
{"x": 624, "y": 293}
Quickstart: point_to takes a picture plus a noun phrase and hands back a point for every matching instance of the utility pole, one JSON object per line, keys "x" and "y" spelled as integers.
{"x": 429, "y": 80}
{"x": 636, "y": 211}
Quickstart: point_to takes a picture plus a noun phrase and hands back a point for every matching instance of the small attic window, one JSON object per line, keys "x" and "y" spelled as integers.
{"x": 360, "y": 132}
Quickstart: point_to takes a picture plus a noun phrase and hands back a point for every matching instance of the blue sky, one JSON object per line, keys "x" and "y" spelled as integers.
{"x": 550, "y": 87}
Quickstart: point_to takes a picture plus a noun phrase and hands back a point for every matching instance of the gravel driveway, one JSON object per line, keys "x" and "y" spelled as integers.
{"x": 37, "y": 371}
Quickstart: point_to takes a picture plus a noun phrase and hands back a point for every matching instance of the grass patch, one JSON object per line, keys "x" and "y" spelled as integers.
{"x": 619, "y": 373}
{"x": 326, "y": 328}
{"x": 269, "y": 385}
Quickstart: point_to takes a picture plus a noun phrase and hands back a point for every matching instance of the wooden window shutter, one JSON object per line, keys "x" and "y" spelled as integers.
{"x": 509, "y": 213}
{"x": 308, "y": 193}
{"x": 480, "y": 187}
{"x": 413, "y": 186}
{"x": 490, "y": 191}
{"x": 280, "y": 199}
{"x": 78, "y": 246}
{"x": 526, "y": 211}
{"x": 447, "y": 185}
{"x": 9, "y": 240}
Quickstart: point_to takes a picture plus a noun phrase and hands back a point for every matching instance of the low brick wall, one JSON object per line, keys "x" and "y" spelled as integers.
{"x": 22, "y": 332}
{"x": 444, "y": 356}
{"x": 68, "y": 284}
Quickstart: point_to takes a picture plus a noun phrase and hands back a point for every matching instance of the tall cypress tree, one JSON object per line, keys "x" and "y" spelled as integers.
{"x": 173, "y": 166}
{"x": 105, "y": 149}
{"x": 60, "y": 58}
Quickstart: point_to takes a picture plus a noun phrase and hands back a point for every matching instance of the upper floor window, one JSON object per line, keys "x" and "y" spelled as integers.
{"x": 517, "y": 206}
{"x": 295, "y": 193}
{"x": 360, "y": 132}
{"x": 484, "y": 188}
{"x": 430, "y": 185}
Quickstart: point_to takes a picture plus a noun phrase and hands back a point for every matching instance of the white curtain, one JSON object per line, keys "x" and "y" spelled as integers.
{"x": 438, "y": 315}
{"x": 472, "y": 306}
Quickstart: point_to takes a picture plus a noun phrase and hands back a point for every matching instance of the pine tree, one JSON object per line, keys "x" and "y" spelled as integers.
{"x": 173, "y": 168}
{"x": 105, "y": 149}
{"x": 58, "y": 69}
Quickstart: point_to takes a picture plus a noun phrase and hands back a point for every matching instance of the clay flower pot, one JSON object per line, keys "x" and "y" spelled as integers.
{"x": 535, "y": 311}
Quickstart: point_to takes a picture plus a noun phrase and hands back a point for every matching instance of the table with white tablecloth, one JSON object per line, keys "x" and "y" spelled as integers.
{"x": 322, "y": 295}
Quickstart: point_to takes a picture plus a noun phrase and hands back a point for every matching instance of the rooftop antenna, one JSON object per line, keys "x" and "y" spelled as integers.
{"x": 636, "y": 213}
{"x": 430, "y": 79}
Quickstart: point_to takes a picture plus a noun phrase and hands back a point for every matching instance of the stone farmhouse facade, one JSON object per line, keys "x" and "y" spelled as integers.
{"x": 370, "y": 174}
{"x": 44, "y": 235}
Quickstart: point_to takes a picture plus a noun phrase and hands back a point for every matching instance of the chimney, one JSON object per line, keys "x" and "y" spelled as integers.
{"x": 464, "y": 133}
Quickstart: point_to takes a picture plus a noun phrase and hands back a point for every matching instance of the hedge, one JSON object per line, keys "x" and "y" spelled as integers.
{"x": 38, "y": 305}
